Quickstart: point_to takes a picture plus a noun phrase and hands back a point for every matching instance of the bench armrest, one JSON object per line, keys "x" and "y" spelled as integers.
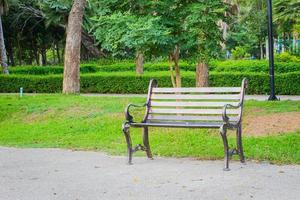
{"x": 129, "y": 118}
{"x": 225, "y": 116}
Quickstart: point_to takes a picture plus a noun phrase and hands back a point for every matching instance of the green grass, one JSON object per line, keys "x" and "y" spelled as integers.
{"x": 94, "y": 123}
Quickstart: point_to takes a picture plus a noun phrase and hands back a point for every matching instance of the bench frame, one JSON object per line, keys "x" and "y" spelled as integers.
{"x": 226, "y": 125}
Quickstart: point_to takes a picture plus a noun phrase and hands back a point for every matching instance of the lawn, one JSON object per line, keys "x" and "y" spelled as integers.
{"x": 94, "y": 123}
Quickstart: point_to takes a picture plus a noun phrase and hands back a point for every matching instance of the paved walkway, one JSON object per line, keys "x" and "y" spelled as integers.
{"x": 42, "y": 174}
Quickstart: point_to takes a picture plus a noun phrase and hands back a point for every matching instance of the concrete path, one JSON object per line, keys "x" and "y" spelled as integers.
{"x": 42, "y": 174}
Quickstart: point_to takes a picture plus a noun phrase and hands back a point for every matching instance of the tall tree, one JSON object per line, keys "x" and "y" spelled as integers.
{"x": 3, "y": 9}
{"x": 71, "y": 82}
{"x": 205, "y": 35}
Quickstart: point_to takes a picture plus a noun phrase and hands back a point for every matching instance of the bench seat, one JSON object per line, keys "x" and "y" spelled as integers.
{"x": 179, "y": 124}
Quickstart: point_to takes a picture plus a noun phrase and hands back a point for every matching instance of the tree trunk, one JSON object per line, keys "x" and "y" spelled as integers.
{"x": 19, "y": 50}
{"x": 53, "y": 54}
{"x": 296, "y": 44}
{"x": 267, "y": 49}
{"x": 89, "y": 44}
{"x": 283, "y": 42}
{"x": 176, "y": 66}
{"x": 139, "y": 63}
{"x": 3, "y": 50}
{"x": 261, "y": 50}
{"x": 35, "y": 51}
{"x": 172, "y": 70}
{"x": 71, "y": 82}
{"x": 57, "y": 52}
{"x": 10, "y": 50}
{"x": 44, "y": 56}
{"x": 201, "y": 74}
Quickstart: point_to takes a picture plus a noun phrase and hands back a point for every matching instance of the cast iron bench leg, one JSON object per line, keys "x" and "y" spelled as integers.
{"x": 239, "y": 143}
{"x": 146, "y": 142}
{"x": 126, "y": 132}
{"x": 223, "y": 131}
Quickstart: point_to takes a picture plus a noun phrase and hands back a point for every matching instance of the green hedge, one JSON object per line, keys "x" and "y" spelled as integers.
{"x": 253, "y": 66}
{"x": 46, "y": 70}
{"x": 128, "y": 82}
{"x": 217, "y": 66}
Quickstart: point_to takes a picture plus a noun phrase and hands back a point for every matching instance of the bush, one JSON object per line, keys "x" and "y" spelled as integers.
{"x": 286, "y": 57}
{"x": 46, "y": 70}
{"x": 128, "y": 82}
{"x": 36, "y": 70}
{"x": 217, "y": 66}
{"x": 240, "y": 53}
{"x": 93, "y": 67}
{"x": 253, "y": 66}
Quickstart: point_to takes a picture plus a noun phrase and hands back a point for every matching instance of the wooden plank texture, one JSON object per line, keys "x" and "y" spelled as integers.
{"x": 190, "y": 104}
{"x": 188, "y": 118}
{"x": 198, "y": 90}
{"x": 196, "y": 97}
{"x": 193, "y": 111}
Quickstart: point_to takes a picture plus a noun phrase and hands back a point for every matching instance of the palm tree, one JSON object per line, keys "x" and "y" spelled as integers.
{"x": 3, "y": 56}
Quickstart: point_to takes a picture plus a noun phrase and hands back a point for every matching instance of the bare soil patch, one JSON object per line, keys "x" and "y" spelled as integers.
{"x": 258, "y": 125}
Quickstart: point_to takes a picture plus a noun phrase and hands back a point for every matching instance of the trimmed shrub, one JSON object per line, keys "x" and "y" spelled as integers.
{"x": 46, "y": 70}
{"x": 242, "y": 66}
{"x": 286, "y": 57}
{"x": 253, "y": 66}
{"x": 36, "y": 70}
{"x": 128, "y": 82}
{"x": 31, "y": 84}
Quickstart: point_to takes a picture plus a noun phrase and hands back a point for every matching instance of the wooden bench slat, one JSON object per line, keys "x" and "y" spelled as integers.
{"x": 187, "y": 118}
{"x": 198, "y": 90}
{"x": 180, "y": 124}
{"x": 198, "y": 97}
{"x": 193, "y": 111}
{"x": 190, "y": 104}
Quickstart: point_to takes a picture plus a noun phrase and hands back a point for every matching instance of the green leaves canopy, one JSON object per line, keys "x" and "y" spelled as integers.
{"x": 121, "y": 32}
{"x": 159, "y": 26}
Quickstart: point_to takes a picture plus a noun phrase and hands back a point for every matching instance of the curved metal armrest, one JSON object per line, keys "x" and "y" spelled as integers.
{"x": 224, "y": 113}
{"x": 129, "y": 118}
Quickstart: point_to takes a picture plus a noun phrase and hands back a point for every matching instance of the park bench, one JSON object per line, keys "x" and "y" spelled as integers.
{"x": 204, "y": 107}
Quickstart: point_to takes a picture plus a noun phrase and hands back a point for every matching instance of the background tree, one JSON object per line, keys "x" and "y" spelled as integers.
{"x": 71, "y": 81}
{"x": 3, "y": 10}
{"x": 287, "y": 18}
{"x": 124, "y": 34}
{"x": 204, "y": 35}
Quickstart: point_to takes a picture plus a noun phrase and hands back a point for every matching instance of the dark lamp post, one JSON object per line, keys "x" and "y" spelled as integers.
{"x": 272, "y": 96}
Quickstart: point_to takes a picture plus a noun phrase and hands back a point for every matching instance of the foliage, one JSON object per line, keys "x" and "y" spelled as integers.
{"x": 128, "y": 82}
{"x": 241, "y": 35}
{"x": 121, "y": 32}
{"x": 203, "y": 32}
{"x": 38, "y": 70}
{"x": 250, "y": 28}
{"x": 93, "y": 123}
{"x": 124, "y": 66}
{"x": 157, "y": 27}
{"x": 286, "y": 57}
{"x": 240, "y": 53}
{"x": 287, "y": 10}
{"x": 254, "y": 66}
{"x": 27, "y": 37}
{"x": 33, "y": 27}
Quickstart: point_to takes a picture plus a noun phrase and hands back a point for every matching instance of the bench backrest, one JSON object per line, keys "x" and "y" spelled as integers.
{"x": 193, "y": 104}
